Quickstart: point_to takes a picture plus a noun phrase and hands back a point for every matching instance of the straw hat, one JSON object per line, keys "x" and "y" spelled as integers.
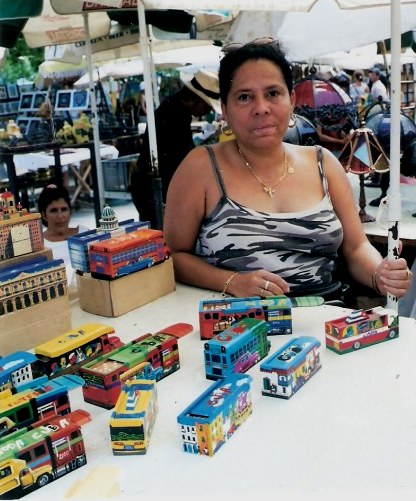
{"x": 204, "y": 84}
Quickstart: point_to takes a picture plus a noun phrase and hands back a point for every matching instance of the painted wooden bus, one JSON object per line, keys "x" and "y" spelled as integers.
{"x": 290, "y": 367}
{"x": 236, "y": 349}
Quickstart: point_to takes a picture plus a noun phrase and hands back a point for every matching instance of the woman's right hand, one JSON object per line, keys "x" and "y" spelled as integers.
{"x": 257, "y": 283}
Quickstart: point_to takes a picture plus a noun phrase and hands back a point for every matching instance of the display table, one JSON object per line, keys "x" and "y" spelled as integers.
{"x": 350, "y": 431}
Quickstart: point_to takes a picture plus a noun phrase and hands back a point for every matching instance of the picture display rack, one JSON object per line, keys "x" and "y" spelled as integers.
{"x": 9, "y": 99}
{"x": 72, "y": 100}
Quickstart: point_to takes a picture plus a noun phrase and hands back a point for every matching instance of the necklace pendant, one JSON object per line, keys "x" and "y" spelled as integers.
{"x": 269, "y": 190}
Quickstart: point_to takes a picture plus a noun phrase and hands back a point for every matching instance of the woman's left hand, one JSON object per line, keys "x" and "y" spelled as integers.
{"x": 393, "y": 276}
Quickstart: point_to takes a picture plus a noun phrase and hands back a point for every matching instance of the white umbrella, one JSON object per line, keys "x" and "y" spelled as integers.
{"x": 50, "y": 28}
{"x": 363, "y": 57}
{"x": 325, "y": 28}
{"x": 199, "y": 56}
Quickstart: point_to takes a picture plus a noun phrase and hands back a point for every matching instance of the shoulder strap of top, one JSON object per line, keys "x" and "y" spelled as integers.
{"x": 321, "y": 169}
{"x": 216, "y": 169}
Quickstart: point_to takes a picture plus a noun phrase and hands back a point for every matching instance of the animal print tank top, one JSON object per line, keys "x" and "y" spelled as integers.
{"x": 301, "y": 247}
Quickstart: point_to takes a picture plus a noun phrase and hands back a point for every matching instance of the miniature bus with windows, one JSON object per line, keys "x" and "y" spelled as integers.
{"x": 67, "y": 352}
{"x": 133, "y": 417}
{"x": 216, "y": 315}
{"x": 48, "y": 397}
{"x": 33, "y": 457}
{"x": 361, "y": 328}
{"x": 127, "y": 253}
{"x": 290, "y": 367}
{"x": 105, "y": 376}
{"x": 236, "y": 349}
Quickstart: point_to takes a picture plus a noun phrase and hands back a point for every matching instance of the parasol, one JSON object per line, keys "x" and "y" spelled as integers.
{"x": 324, "y": 103}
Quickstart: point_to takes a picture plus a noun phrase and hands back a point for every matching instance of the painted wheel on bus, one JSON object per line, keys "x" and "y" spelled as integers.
{"x": 356, "y": 345}
{"x": 81, "y": 460}
{"x": 43, "y": 480}
{"x": 392, "y": 334}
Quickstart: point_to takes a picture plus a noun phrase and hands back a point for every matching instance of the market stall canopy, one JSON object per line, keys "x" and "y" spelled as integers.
{"x": 362, "y": 58}
{"x": 121, "y": 42}
{"x": 199, "y": 56}
{"x": 50, "y": 28}
{"x": 325, "y": 28}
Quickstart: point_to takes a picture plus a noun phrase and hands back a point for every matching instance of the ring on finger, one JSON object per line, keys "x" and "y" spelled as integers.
{"x": 266, "y": 287}
{"x": 261, "y": 292}
{"x": 408, "y": 274}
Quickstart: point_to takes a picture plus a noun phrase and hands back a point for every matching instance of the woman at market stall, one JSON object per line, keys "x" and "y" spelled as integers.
{"x": 255, "y": 216}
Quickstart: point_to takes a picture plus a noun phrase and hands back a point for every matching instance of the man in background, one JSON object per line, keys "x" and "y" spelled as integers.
{"x": 173, "y": 118}
{"x": 378, "y": 89}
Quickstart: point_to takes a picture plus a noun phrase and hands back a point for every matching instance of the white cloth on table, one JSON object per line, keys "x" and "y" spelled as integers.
{"x": 60, "y": 250}
{"x": 407, "y": 304}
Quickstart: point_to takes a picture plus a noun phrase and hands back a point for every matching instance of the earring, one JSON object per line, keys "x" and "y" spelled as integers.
{"x": 292, "y": 120}
{"x": 226, "y": 130}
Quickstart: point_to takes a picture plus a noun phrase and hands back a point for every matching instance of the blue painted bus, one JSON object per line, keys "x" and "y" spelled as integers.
{"x": 290, "y": 367}
{"x": 236, "y": 349}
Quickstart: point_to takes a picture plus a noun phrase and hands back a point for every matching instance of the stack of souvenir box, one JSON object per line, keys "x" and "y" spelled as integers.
{"x": 34, "y": 303}
{"x": 120, "y": 266}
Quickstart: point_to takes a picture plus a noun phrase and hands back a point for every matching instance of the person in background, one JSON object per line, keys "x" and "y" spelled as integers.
{"x": 198, "y": 95}
{"x": 358, "y": 88}
{"x": 255, "y": 216}
{"x": 54, "y": 206}
{"x": 378, "y": 90}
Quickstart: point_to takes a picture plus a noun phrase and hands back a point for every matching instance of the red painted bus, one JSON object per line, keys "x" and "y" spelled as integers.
{"x": 127, "y": 253}
{"x": 31, "y": 458}
{"x": 105, "y": 376}
{"x": 361, "y": 328}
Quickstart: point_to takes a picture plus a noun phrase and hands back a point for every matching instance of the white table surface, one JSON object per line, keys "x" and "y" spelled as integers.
{"x": 32, "y": 161}
{"x": 350, "y": 432}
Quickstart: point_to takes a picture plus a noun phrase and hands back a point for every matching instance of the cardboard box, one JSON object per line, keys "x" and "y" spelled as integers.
{"x": 112, "y": 298}
{"x": 25, "y": 329}
{"x": 26, "y": 257}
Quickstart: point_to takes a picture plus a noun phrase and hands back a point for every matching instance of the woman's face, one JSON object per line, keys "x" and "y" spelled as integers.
{"x": 259, "y": 105}
{"x": 57, "y": 215}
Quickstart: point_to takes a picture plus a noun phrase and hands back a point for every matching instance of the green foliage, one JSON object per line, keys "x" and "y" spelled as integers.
{"x": 21, "y": 62}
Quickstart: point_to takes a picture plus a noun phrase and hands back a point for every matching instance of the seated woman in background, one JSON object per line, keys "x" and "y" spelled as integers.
{"x": 54, "y": 206}
{"x": 254, "y": 216}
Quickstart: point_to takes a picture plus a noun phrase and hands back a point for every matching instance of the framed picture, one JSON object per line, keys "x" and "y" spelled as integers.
{"x": 63, "y": 100}
{"x": 80, "y": 99}
{"x": 28, "y": 125}
{"x": 2, "y": 109}
{"x": 3, "y": 92}
{"x": 38, "y": 100}
{"x": 22, "y": 123}
{"x": 13, "y": 91}
{"x": 25, "y": 103}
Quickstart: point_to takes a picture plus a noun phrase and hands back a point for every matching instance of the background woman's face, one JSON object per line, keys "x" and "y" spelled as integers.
{"x": 57, "y": 214}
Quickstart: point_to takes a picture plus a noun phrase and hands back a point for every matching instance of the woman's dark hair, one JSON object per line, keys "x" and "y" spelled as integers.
{"x": 233, "y": 59}
{"x": 50, "y": 194}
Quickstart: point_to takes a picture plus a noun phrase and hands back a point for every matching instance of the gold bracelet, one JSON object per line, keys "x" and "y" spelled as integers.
{"x": 227, "y": 283}
{"x": 375, "y": 284}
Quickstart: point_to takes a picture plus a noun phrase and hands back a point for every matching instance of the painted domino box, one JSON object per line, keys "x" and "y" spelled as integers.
{"x": 289, "y": 368}
{"x": 215, "y": 415}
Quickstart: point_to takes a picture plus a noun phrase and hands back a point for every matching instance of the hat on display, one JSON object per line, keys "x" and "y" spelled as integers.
{"x": 375, "y": 70}
{"x": 204, "y": 84}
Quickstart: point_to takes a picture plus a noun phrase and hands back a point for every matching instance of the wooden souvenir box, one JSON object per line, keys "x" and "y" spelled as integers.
{"x": 207, "y": 423}
{"x": 290, "y": 367}
{"x": 112, "y": 298}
